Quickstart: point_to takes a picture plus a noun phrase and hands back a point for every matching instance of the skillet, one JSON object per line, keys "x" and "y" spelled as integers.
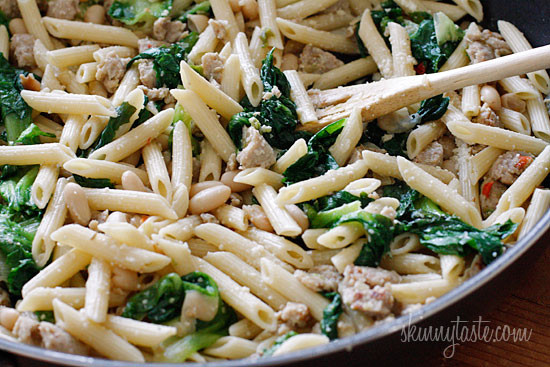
{"x": 382, "y": 345}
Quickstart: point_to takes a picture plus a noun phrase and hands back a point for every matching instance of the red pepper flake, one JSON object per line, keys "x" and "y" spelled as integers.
{"x": 523, "y": 161}
{"x": 486, "y": 190}
{"x": 420, "y": 69}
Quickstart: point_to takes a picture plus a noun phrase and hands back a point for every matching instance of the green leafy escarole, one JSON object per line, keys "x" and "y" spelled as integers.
{"x": 19, "y": 220}
{"x": 277, "y": 115}
{"x": 331, "y": 314}
{"x": 438, "y": 231}
{"x": 167, "y": 59}
{"x": 16, "y": 114}
{"x": 163, "y": 303}
{"x": 141, "y": 14}
{"x": 444, "y": 233}
{"x": 434, "y": 41}
{"x": 19, "y": 217}
{"x": 431, "y": 109}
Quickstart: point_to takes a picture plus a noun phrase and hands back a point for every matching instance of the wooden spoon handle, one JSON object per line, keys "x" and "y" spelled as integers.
{"x": 492, "y": 70}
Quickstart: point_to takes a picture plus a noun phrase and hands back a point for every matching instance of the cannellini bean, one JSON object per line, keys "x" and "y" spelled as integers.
{"x": 124, "y": 279}
{"x": 131, "y": 181}
{"x": 298, "y": 215}
{"x": 490, "y": 95}
{"x": 8, "y": 317}
{"x": 249, "y": 9}
{"x": 209, "y": 199}
{"x": 95, "y": 14}
{"x": 290, "y": 62}
{"x": 198, "y": 187}
{"x": 77, "y": 203}
{"x": 17, "y": 25}
{"x": 117, "y": 217}
{"x": 257, "y": 217}
{"x": 227, "y": 180}
{"x": 512, "y": 102}
{"x": 95, "y": 87}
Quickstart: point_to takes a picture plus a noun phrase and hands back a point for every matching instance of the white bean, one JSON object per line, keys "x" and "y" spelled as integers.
{"x": 8, "y": 317}
{"x": 209, "y": 199}
{"x": 132, "y": 182}
{"x": 290, "y": 62}
{"x": 249, "y": 9}
{"x": 117, "y": 217}
{"x": 227, "y": 179}
{"x": 77, "y": 203}
{"x": 124, "y": 279}
{"x": 95, "y": 14}
{"x": 490, "y": 95}
{"x": 257, "y": 217}
{"x": 198, "y": 187}
{"x": 17, "y": 25}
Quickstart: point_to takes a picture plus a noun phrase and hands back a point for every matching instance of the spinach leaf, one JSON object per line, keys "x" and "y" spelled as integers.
{"x": 15, "y": 245}
{"x": 444, "y": 233}
{"x": 16, "y": 191}
{"x": 97, "y": 183}
{"x": 404, "y": 194}
{"x": 447, "y": 234}
{"x": 272, "y": 76}
{"x": 177, "y": 349}
{"x": 277, "y": 113}
{"x": 380, "y": 234}
{"x": 139, "y": 14}
{"x": 391, "y": 12}
{"x": 124, "y": 112}
{"x": 200, "y": 8}
{"x": 327, "y": 210}
{"x": 14, "y": 111}
{"x": 432, "y": 109}
{"x": 328, "y": 218}
{"x": 426, "y": 49}
{"x": 337, "y": 199}
{"x": 331, "y": 314}
{"x": 394, "y": 144}
{"x": 167, "y": 59}
{"x": 446, "y": 30}
{"x": 318, "y": 159}
{"x": 280, "y": 340}
{"x": 163, "y": 300}
{"x": 159, "y": 303}
{"x": 200, "y": 282}
{"x": 143, "y": 116}
{"x": 31, "y": 135}
{"x": 47, "y": 316}
{"x": 19, "y": 220}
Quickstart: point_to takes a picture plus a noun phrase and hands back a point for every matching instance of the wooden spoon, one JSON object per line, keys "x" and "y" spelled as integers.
{"x": 383, "y": 97}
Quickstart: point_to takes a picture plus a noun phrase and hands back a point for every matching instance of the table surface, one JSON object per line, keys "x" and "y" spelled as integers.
{"x": 527, "y": 306}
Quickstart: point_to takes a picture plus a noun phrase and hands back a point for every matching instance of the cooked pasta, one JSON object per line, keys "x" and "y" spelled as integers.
{"x": 171, "y": 190}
